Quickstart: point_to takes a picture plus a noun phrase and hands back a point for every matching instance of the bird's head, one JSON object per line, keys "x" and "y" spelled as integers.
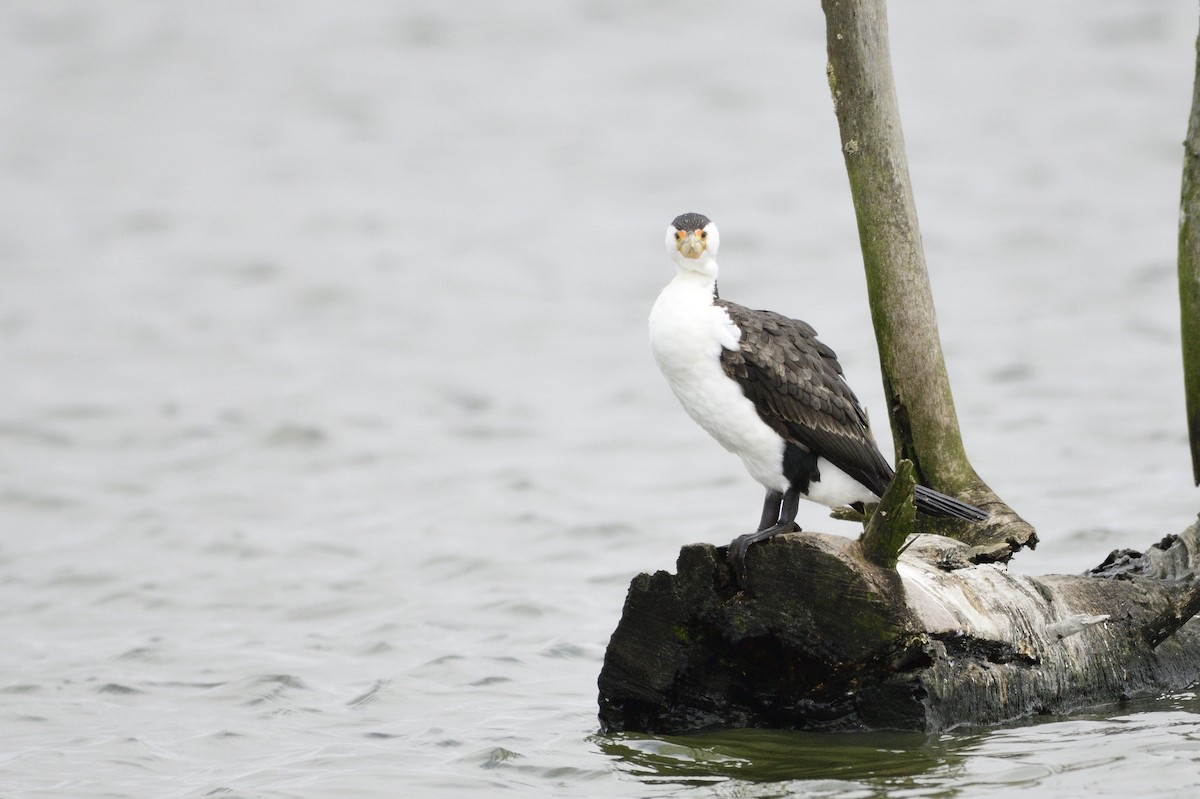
{"x": 692, "y": 241}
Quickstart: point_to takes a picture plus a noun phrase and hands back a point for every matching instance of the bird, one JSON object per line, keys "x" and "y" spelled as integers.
{"x": 768, "y": 390}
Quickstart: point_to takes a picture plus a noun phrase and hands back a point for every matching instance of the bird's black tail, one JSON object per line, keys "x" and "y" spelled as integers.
{"x": 934, "y": 503}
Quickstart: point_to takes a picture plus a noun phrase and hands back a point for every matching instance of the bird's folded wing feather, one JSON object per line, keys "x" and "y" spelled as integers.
{"x": 796, "y": 383}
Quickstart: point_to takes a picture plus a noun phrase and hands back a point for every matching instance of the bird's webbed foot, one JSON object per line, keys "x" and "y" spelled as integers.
{"x": 779, "y": 516}
{"x": 740, "y": 547}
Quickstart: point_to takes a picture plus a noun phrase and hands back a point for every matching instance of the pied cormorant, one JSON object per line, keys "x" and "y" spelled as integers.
{"x": 765, "y": 388}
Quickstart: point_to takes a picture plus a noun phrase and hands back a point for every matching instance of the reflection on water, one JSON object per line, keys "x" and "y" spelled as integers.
{"x": 1086, "y": 752}
{"x": 778, "y": 755}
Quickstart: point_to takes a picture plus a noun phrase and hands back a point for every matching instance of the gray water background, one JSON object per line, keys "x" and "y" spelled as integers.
{"x": 329, "y": 436}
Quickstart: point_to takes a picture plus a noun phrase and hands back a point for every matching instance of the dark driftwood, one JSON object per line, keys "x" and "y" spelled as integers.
{"x": 830, "y": 639}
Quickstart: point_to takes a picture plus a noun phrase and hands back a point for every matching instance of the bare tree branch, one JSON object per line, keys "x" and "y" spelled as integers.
{"x": 917, "y": 388}
{"x": 1189, "y": 272}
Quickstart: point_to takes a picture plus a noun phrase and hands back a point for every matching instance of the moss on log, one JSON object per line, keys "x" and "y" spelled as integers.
{"x": 893, "y": 519}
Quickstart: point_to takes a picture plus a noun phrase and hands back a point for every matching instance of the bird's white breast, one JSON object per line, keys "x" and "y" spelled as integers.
{"x": 687, "y": 334}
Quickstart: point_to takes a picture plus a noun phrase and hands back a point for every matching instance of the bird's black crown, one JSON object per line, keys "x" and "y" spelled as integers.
{"x": 690, "y": 222}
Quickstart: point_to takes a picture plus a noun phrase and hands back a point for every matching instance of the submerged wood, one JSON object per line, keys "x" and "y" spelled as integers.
{"x": 831, "y": 640}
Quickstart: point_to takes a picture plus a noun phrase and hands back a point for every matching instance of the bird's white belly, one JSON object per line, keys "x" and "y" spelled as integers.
{"x": 836, "y": 488}
{"x": 687, "y": 333}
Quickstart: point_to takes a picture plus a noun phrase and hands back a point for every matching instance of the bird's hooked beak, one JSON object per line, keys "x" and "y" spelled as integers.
{"x": 691, "y": 244}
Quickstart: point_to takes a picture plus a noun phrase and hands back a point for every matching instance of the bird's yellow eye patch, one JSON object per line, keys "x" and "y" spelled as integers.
{"x": 679, "y": 234}
{"x": 703, "y": 234}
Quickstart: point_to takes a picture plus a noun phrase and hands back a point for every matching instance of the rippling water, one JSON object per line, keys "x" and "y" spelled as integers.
{"x": 329, "y": 438}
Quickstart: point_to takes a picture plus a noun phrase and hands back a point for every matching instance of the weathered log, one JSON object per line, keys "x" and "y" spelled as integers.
{"x": 831, "y": 639}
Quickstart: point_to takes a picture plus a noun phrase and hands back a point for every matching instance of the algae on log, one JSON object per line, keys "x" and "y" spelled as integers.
{"x": 831, "y": 640}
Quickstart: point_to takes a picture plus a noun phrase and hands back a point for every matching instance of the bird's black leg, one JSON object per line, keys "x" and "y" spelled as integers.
{"x": 770, "y": 513}
{"x": 785, "y": 522}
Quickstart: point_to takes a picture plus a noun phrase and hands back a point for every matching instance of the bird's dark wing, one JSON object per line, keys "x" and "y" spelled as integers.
{"x": 796, "y": 383}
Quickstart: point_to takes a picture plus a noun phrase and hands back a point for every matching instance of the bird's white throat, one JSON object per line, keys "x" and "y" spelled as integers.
{"x": 687, "y": 334}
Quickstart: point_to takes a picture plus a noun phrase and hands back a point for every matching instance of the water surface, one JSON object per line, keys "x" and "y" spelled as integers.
{"x": 329, "y": 436}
